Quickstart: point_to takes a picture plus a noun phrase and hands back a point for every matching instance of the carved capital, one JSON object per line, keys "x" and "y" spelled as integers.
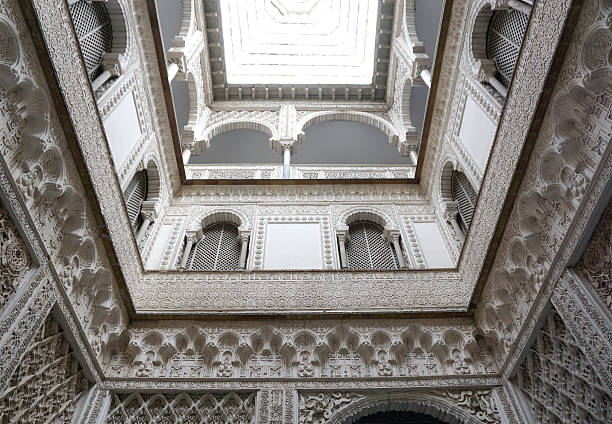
{"x": 392, "y": 235}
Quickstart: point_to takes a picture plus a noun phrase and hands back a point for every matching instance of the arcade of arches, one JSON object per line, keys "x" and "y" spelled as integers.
{"x": 310, "y": 212}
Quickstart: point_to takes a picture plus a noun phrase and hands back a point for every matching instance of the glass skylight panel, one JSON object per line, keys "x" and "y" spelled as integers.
{"x": 299, "y": 41}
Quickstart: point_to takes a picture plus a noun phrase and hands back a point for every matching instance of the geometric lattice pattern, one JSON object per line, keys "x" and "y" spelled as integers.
{"x": 367, "y": 248}
{"x": 558, "y": 382}
{"x": 94, "y": 32}
{"x": 504, "y": 40}
{"x": 134, "y": 195}
{"x": 465, "y": 197}
{"x": 217, "y": 250}
{"x": 48, "y": 383}
{"x": 226, "y": 408}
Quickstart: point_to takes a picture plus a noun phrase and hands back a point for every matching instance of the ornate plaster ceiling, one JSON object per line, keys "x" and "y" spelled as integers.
{"x": 299, "y": 49}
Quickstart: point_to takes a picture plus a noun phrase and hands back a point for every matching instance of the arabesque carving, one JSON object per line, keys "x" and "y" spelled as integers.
{"x": 279, "y": 356}
{"x": 596, "y": 262}
{"x": 48, "y": 383}
{"x": 15, "y": 260}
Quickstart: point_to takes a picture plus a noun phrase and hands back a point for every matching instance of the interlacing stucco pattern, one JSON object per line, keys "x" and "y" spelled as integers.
{"x": 61, "y": 249}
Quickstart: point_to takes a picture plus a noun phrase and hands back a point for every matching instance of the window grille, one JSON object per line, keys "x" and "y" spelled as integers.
{"x": 217, "y": 250}
{"x": 367, "y": 248}
{"x": 504, "y": 39}
{"x": 94, "y": 32}
{"x": 134, "y": 195}
{"x": 465, "y": 196}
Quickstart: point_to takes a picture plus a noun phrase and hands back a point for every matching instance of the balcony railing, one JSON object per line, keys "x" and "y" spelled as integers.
{"x": 299, "y": 172}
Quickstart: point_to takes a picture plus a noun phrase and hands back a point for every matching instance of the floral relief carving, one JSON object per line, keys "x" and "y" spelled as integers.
{"x": 596, "y": 262}
{"x": 479, "y": 403}
{"x": 14, "y": 258}
{"x": 319, "y": 408}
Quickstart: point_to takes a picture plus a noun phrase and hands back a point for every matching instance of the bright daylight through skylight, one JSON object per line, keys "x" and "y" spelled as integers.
{"x": 299, "y": 41}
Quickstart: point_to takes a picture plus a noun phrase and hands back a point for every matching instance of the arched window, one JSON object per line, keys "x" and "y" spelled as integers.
{"x": 465, "y": 197}
{"x": 217, "y": 250}
{"x": 504, "y": 39}
{"x": 93, "y": 29}
{"x": 134, "y": 195}
{"x": 367, "y": 248}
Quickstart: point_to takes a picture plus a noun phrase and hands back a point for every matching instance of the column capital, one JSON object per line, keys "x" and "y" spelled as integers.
{"x": 392, "y": 235}
{"x": 191, "y": 236}
{"x": 244, "y": 235}
{"x": 148, "y": 214}
{"x": 149, "y": 209}
{"x": 282, "y": 144}
{"x": 111, "y": 63}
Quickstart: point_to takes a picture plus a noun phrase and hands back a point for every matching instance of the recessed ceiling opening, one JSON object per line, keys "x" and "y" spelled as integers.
{"x": 299, "y": 42}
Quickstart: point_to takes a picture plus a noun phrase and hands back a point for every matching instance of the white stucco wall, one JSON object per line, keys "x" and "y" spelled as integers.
{"x": 293, "y": 246}
{"x": 434, "y": 249}
{"x": 477, "y": 132}
{"x": 157, "y": 251}
{"x": 122, "y": 130}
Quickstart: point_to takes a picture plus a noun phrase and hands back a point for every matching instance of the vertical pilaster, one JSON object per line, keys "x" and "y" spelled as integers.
{"x": 276, "y": 406}
{"x": 95, "y": 406}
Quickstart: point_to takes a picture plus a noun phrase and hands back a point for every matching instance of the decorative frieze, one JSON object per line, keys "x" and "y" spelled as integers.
{"x": 317, "y": 350}
{"x": 298, "y": 172}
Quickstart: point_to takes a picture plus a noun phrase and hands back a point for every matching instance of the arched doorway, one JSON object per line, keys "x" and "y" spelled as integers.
{"x": 398, "y": 417}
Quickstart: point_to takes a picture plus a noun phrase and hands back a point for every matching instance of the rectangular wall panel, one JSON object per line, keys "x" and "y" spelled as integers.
{"x": 432, "y": 245}
{"x": 122, "y": 130}
{"x": 293, "y": 246}
{"x": 477, "y": 132}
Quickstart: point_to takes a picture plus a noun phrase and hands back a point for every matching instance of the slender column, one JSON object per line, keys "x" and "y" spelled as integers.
{"x": 426, "y": 76}
{"x": 244, "y": 238}
{"x": 414, "y": 156}
{"x": 146, "y": 221}
{"x": 190, "y": 238}
{"x": 173, "y": 69}
{"x": 398, "y": 250}
{"x": 497, "y": 85}
{"x": 186, "y": 155}
{"x": 286, "y": 162}
{"x": 101, "y": 79}
{"x": 342, "y": 246}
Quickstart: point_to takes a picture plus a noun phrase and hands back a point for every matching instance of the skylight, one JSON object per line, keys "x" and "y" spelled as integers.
{"x": 299, "y": 41}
